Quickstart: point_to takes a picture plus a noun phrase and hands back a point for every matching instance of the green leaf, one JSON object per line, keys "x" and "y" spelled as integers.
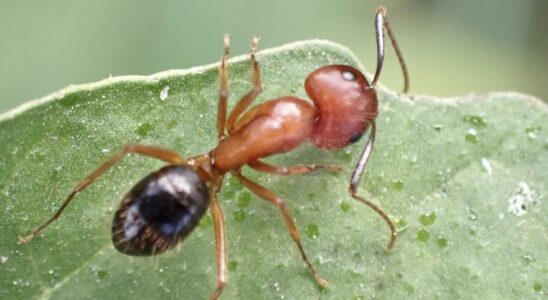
{"x": 464, "y": 179}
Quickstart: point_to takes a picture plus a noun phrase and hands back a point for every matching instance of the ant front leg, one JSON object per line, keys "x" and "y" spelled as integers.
{"x": 355, "y": 180}
{"x": 292, "y": 170}
{"x": 220, "y": 241}
{"x": 280, "y": 203}
{"x": 168, "y": 156}
{"x": 244, "y": 103}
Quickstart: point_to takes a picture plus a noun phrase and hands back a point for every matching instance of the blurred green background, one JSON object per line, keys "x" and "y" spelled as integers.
{"x": 452, "y": 47}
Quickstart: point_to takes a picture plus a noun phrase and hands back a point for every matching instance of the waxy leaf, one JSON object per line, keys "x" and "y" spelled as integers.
{"x": 464, "y": 178}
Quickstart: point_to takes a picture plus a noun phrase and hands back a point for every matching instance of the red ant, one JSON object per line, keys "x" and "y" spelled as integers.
{"x": 165, "y": 206}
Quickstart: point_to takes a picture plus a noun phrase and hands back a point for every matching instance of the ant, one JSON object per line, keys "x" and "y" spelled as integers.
{"x": 165, "y": 206}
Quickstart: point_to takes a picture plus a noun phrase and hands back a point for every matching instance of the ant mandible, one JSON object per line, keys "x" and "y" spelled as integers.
{"x": 165, "y": 206}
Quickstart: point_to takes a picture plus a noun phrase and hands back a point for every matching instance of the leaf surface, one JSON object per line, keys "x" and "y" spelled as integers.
{"x": 463, "y": 177}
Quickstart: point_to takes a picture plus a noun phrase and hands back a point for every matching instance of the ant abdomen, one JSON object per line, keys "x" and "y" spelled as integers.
{"x": 159, "y": 211}
{"x": 345, "y": 102}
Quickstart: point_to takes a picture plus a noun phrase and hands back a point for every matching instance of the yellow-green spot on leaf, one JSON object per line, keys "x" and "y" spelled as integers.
{"x": 172, "y": 124}
{"x": 401, "y": 223}
{"x": 442, "y": 243}
{"x": 527, "y": 259}
{"x": 239, "y": 215}
{"x": 323, "y": 290}
{"x": 206, "y": 222}
{"x": 144, "y": 129}
{"x": 312, "y": 230}
{"x": 475, "y": 120}
{"x": 244, "y": 199}
{"x": 311, "y": 196}
{"x": 397, "y": 185}
{"x": 471, "y": 136}
{"x": 345, "y": 206}
{"x": 423, "y": 235}
{"x": 427, "y": 220}
{"x": 101, "y": 274}
{"x": 232, "y": 265}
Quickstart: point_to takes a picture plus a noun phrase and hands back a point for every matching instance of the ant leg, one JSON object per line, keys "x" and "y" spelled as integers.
{"x": 150, "y": 151}
{"x": 291, "y": 170}
{"x": 381, "y": 23}
{"x": 280, "y": 203}
{"x": 244, "y": 103}
{"x": 223, "y": 93}
{"x": 355, "y": 179}
{"x": 220, "y": 243}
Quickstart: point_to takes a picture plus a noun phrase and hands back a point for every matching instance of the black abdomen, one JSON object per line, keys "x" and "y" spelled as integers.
{"x": 159, "y": 211}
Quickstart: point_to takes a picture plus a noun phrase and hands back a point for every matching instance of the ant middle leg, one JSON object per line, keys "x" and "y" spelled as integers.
{"x": 355, "y": 180}
{"x": 220, "y": 241}
{"x": 246, "y": 100}
{"x": 280, "y": 203}
{"x": 166, "y": 155}
{"x": 292, "y": 170}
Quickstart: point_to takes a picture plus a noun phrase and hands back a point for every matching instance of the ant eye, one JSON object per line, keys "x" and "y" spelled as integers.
{"x": 356, "y": 136}
{"x": 349, "y": 75}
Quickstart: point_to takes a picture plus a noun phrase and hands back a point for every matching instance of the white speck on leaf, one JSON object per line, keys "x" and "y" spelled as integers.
{"x": 3, "y": 259}
{"x": 164, "y": 93}
{"x": 486, "y": 166}
{"x": 522, "y": 199}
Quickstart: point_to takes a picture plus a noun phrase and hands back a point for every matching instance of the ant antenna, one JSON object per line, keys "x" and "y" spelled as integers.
{"x": 381, "y": 23}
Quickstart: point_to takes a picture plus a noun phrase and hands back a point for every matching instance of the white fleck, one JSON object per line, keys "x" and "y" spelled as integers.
{"x": 133, "y": 223}
{"x": 472, "y": 131}
{"x": 164, "y": 93}
{"x": 531, "y": 135}
{"x": 105, "y": 150}
{"x": 486, "y": 166}
{"x": 522, "y": 198}
{"x": 347, "y": 75}
{"x": 3, "y": 259}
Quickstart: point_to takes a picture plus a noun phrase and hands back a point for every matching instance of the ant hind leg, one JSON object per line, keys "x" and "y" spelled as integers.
{"x": 166, "y": 155}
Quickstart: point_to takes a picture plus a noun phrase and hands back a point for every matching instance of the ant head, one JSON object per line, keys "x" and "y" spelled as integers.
{"x": 159, "y": 211}
{"x": 346, "y": 104}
